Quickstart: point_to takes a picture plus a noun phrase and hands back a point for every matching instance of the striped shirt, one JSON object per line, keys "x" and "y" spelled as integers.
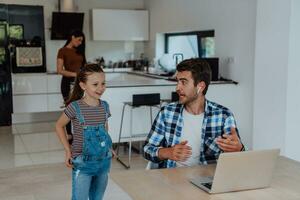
{"x": 93, "y": 116}
{"x": 167, "y": 129}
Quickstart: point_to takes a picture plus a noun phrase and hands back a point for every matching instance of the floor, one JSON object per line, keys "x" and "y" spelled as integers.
{"x": 32, "y": 168}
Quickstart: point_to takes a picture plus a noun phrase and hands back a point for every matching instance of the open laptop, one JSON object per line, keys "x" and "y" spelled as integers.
{"x": 240, "y": 171}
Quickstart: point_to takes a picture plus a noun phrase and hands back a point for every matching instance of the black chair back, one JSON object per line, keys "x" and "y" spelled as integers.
{"x": 146, "y": 99}
{"x": 174, "y": 97}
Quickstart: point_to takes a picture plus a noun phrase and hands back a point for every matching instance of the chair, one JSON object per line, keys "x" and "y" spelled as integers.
{"x": 174, "y": 98}
{"x": 150, "y": 100}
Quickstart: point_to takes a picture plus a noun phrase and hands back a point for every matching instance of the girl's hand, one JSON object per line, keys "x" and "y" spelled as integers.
{"x": 114, "y": 154}
{"x": 68, "y": 160}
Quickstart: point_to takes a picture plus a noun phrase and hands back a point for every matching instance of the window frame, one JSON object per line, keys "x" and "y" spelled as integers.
{"x": 199, "y": 34}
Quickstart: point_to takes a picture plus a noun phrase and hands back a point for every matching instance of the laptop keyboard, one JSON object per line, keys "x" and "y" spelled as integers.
{"x": 207, "y": 185}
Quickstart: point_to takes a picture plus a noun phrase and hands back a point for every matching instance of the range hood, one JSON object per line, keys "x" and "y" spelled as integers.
{"x": 66, "y": 6}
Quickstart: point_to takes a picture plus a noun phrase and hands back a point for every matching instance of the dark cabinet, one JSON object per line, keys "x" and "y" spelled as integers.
{"x": 26, "y": 37}
{"x": 30, "y": 17}
{"x": 22, "y": 49}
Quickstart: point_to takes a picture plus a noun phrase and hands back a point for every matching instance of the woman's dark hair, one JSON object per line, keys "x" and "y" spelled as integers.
{"x": 81, "y": 48}
{"x": 199, "y": 68}
{"x": 84, "y": 72}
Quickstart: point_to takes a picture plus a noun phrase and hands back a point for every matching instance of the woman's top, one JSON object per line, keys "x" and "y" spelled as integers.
{"x": 72, "y": 60}
{"x": 93, "y": 116}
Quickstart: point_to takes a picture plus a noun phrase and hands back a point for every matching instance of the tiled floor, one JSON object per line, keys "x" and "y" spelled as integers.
{"x": 31, "y": 165}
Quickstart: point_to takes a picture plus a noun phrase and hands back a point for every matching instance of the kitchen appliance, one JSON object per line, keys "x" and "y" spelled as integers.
{"x": 166, "y": 63}
{"x": 27, "y": 42}
{"x": 5, "y": 78}
{"x": 25, "y": 37}
{"x": 214, "y": 66}
{"x": 63, "y": 23}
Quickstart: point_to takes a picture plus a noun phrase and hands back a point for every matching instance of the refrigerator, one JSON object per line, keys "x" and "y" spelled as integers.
{"x": 6, "y": 107}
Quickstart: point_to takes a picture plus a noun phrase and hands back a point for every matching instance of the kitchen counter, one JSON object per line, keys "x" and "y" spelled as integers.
{"x": 141, "y": 78}
{"x": 131, "y": 79}
{"x": 125, "y": 77}
{"x": 40, "y": 92}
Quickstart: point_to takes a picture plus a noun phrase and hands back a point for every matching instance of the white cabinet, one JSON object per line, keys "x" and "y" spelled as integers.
{"x": 53, "y": 83}
{"x": 29, "y": 84}
{"x": 30, "y": 103}
{"x": 36, "y": 93}
{"x": 55, "y": 102}
{"x": 120, "y": 25}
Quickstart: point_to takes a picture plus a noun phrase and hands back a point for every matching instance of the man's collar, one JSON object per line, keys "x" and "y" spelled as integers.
{"x": 206, "y": 106}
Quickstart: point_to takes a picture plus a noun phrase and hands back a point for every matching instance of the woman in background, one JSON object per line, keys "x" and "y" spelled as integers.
{"x": 69, "y": 60}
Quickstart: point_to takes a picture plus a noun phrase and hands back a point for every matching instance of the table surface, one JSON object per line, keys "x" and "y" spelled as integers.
{"x": 174, "y": 184}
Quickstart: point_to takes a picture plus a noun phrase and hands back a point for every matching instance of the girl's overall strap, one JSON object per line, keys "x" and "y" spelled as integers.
{"x": 78, "y": 113}
{"x": 105, "y": 105}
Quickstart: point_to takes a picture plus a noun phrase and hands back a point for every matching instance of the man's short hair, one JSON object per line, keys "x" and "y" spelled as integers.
{"x": 199, "y": 69}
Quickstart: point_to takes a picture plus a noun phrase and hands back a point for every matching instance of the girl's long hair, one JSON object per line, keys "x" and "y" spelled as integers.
{"x": 85, "y": 71}
{"x": 81, "y": 48}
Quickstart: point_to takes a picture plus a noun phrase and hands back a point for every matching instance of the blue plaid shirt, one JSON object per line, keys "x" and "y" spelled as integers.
{"x": 167, "y": 127}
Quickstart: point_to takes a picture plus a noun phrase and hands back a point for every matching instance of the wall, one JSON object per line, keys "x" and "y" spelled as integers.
{"x": 234, "y": 25}
{"x": 292, "y": 149}
{"x": 276, "y": 97}
{"x": 110, "y": 50}
{"x": 293, "y": 96}
{"x": 271, "y": 60}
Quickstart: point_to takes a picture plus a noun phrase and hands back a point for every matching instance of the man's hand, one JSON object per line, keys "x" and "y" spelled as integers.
{"x": 179, "y": 152}
{"x": 230, "y": 142}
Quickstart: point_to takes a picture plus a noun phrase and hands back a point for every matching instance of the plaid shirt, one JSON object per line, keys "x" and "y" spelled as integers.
{"x": 167, "y": 127}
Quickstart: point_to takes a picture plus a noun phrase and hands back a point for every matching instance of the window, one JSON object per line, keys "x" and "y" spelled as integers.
{"x": 190, "y": 44}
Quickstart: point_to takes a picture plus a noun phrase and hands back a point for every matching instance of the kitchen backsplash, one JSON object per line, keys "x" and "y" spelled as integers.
{"x": 110, "y": 51}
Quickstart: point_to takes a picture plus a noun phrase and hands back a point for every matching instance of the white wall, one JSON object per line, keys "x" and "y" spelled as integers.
{"x": 234, "y": 25}
{"x": 276, "y": 96}
{"x": 110, "y": 50}
{"x": 292, "y": 148}
{"x": 271, "y": 60}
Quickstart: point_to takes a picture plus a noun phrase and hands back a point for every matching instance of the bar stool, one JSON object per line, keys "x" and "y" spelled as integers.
{"x": 150, "y": 100}
{"x": 174, "y": 98}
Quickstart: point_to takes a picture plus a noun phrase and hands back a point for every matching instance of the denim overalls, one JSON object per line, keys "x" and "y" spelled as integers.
{"x": 91, "y": 168}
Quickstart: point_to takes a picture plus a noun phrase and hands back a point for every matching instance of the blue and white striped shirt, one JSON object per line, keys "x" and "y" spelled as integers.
{"x": 167, "y": 127}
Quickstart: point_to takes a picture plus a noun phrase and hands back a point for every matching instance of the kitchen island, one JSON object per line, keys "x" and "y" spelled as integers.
{"x": 121, "y": 87}
{"x": 40, "y": 92}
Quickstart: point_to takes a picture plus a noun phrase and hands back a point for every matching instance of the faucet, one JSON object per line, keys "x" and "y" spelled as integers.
{"x": 176, "y": 56}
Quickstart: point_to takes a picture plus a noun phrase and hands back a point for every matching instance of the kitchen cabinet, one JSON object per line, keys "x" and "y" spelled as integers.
{"x": 29, "y": 84}
{"x": 30, "y": 103}
{"x": 53, "y": 83}
{"x": 36, "y": 93}
{"x": 55, "y": 102}
{"x": 120, "y": 25}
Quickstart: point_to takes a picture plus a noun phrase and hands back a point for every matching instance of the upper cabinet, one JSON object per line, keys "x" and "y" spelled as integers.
{"x": 120, "y": 25}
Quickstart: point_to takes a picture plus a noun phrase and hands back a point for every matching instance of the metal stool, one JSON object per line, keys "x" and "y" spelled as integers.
{"x": 174, "y": 98}
{"x": 150, "y": 100}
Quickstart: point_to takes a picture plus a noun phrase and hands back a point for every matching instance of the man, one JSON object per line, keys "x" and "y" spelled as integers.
{"x": 194, "y": 130}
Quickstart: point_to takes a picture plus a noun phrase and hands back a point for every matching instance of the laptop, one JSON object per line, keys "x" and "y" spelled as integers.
{"x": 240, "y": 171}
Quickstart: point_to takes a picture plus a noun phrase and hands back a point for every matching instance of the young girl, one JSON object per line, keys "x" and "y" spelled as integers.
{"x": 91, "y": 153}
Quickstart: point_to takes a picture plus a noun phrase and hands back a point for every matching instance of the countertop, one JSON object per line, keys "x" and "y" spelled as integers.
{"x": 131, "y": 79}
{"x": 134, "y": 80}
